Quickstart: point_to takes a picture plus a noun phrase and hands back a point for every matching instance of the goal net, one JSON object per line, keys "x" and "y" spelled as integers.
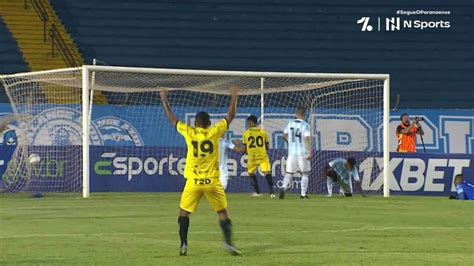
{"x": 125, "y": 143}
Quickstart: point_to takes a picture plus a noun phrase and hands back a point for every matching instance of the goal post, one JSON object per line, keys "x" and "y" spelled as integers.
{"x": 85, "y": 132}
{"x": 349, "y": 114}
{"x": 386, "y": 137}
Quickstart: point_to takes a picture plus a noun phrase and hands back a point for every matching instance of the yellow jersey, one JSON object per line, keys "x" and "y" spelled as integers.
{"x": 202, "y": 159}
{"x": 255, "y": 140}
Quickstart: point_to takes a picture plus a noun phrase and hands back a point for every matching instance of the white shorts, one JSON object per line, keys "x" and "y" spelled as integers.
{"x": 296, "y": 164}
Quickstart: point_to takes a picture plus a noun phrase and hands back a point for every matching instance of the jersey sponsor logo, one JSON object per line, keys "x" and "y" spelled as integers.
{"x": 60, "y": 126}
{"x": 118, "y": 132}
{"x": 202, "y": 181}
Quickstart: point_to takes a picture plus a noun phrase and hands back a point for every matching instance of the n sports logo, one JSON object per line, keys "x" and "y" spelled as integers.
{"x": 397, "y": 24}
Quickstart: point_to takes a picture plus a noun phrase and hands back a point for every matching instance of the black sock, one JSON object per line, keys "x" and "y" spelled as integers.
{"x": 226, "y": 229}
{"x": 270, "y": 183}
{"x": 253, "y": 179}
{"x": 183, "y": 222}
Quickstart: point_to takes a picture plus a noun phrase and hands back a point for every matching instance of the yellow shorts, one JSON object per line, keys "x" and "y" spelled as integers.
{"x": 264, "y": 166}
{"x": 195, "y": 188}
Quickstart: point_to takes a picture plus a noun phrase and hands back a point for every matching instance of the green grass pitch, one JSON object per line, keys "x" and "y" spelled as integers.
{"x": 141, "y": 229}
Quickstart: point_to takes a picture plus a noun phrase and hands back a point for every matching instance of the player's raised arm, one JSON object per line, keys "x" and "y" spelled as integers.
{"x": 234, "y": 94}
{"x": 166, "y": 107}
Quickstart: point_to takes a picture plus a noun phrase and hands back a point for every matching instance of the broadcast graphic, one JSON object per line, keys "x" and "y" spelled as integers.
{"x": 211, "y": 132}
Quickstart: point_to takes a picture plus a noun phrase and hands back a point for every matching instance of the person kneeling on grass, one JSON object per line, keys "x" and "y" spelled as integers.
{"x": 342, "y": 171}
{"x": 464, "y": 189}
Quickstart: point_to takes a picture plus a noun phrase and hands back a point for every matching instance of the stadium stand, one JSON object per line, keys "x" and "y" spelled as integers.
{"x": 274, "y": 35}
{"x": 31, "y": 23}
{"x": 11, "y": 59}
{"x": 42, "y": 40}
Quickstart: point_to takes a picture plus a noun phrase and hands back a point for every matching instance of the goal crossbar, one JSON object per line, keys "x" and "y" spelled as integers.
{"x": 225, "y": 73}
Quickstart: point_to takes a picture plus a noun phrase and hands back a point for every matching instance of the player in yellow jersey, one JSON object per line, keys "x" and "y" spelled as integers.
{"x": 202, "y": 169}
{"x": 255, "y": 143}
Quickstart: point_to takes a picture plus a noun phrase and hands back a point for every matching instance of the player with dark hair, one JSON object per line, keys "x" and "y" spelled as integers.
{"x": 342, "y": 172}
{"x": 202, "y": 169}
{"x": 255, "y": 143}
{"x": 464, "y": 189}
{"x": 202, "y": 119}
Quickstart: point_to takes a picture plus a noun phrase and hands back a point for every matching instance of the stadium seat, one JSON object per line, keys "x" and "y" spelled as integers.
{"x": 12, "y": 61}
{"x": 275, "y": 36}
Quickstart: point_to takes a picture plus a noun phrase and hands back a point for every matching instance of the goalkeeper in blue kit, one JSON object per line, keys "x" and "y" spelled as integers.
{"x": 464, "y": 189}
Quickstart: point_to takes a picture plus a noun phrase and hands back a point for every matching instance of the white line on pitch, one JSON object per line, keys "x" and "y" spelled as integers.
{"x": 118, "y": 205}
{"x": 240, "y": 232}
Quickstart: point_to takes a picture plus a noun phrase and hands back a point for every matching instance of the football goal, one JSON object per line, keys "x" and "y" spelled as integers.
{"x": 68, "y": 141}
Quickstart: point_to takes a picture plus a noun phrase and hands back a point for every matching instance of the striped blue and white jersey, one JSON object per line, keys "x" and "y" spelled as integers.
{"x": 297, "y": 130}
{"x": 224, "y": 147}
{"x": 346, "y": 175}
